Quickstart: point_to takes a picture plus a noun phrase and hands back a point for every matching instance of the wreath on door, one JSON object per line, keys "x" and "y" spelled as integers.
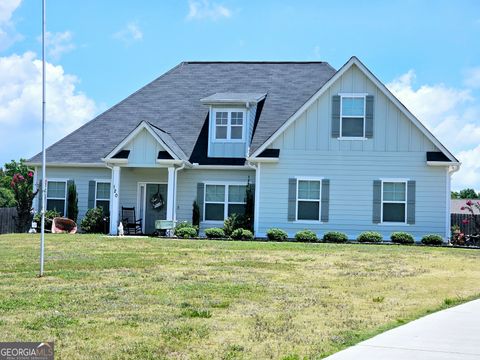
{"x": 156, "y": 200}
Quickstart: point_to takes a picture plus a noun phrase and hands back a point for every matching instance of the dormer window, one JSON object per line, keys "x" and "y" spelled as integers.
{"x": 229, "y": 124}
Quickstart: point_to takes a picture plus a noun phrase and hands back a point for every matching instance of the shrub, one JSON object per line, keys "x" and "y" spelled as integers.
{"x": 432, "y": 239}
{"x": 335, "y": 237}
{"x": 275, "y": 234}
{"x": 184, "y": 225}
{"x": 215, "y": 233}
{"x": 370, "y": 236}
{"x": 242, "y": 234}
{"x": 401, "y": 237}
{"x": 49, "y": 216}
{"x": 186, "y": 232}
{"x": 306, "y": 236}
{"x": 195, "y": 215}
{"x": 232, "y": 223}
{"x": 72, "y": 207}
{"x": 94, "y": 222}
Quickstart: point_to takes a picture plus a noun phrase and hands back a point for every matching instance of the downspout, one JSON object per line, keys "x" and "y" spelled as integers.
{"x": 256, "y": 212}
{"x": 450, "y": 170}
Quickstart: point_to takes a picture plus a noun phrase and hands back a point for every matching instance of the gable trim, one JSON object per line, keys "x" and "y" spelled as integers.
{"x": 355, "y": 61}
{"x": 143, "y": 125}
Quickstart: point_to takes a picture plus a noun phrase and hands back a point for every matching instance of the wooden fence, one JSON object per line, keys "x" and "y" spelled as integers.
{"x": 7, "y": 220}
{"x": 469, "y": 227}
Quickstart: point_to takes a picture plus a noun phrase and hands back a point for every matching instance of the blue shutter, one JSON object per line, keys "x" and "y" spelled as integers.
{"x": 411, "y": 202}
{"x": 377, "y": 201}
{"x": 292, "y": 199}
{"x": 335, "y": 116}
{"x": 325, "y": 205}
{"x": 91, "y": 194}
{"x": 369, "y": 116}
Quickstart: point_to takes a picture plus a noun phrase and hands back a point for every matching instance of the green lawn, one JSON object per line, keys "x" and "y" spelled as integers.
{"x": 124, "y": 298}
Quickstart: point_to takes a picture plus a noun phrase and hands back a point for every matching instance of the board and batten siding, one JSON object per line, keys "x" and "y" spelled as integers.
{"x": 397, "y": 150}
{"x": 187, "y": 188}
{"x": 144, "y": 149}
{"x": 81, "y": 177}
{"x": 219, "y": 148}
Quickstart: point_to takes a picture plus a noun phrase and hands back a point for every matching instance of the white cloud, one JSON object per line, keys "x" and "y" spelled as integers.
{"x": 453, "y": 115}
{"x": 8, "y": 35}
{"x": 58, "y": 44}
{"x": 20, "y": 105}
{"x": 204, "y": 9}
{"x": 472, "y": 78}
{"x": 129, "y": 34}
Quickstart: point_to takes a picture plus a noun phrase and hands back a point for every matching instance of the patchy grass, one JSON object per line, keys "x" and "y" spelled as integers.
{"x": 124, "y": 298}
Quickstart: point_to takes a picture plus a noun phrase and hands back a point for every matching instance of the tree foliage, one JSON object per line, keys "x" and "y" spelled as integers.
{"x": 465, "y": 194}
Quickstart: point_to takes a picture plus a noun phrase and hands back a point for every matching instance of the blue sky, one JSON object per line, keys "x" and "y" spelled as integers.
{"x": 99, "y": 52}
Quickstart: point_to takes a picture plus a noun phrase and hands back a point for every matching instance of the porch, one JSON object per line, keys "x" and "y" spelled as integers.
{"x": 149, "y": 190}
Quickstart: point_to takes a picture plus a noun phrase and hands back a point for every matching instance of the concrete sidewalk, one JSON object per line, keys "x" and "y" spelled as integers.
{"x": 452, "y": 334}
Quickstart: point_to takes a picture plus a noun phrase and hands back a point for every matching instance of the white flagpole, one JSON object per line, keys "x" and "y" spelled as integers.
{"x": 44, "y": 170}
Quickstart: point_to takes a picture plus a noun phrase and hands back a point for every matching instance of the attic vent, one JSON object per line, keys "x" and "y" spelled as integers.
{"x": 122, "y": 154}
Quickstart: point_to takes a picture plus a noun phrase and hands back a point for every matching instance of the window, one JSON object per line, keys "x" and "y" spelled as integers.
{"x": 394, "y": 204}
{"x": 102, "y": 197}
{"x": 308, "y": 200}
{"x": 56, "y": 196}
{"x": 352, "y": 123}
{"x": 223, "y": 200}
{"x": 229, "y": 125}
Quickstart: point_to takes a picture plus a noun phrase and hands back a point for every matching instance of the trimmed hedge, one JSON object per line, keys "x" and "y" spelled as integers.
{"x": 186, "y": 232}
{"x": 183, "y": 225}
{"x": 335, "y": 237}
{"x": 242, "y": 234}
{"x": 306, "y": 236}
{"x": 432, "y": 239}
{"x": 214, "y": 233}
{"x": 401, "y": 237}
{"x": 275, "y": 234}
{"x": 370, "y": 236}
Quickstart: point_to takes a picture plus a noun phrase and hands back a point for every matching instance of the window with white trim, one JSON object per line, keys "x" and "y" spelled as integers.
{"x": 57, "y": 196}
{"x": 308, "y": 199}
{"x": 102, "y": 196}
{"x": 229, "y": 124}
{"x": 352, "y": 116}
{"x": 394, "y": 201}
{"x": 223, "y": 200}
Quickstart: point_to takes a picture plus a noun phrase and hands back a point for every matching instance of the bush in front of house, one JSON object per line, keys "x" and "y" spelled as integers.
{"x": 232, "y": 223}
{"x": 242, "y": 234}
{"x": 186, "y": 232}
{"x": 306, "y": 236}
{"x": 214, "y": 233}
{"x": 432, "y": 239}
{"x": 401, "y": 237}
{"x": 49, "y": 216}
{"x": 370, "y": 237}
{"x": 275, "y": 234}
{"x": 94, "y": 222}
{"x": 335, "y": 237}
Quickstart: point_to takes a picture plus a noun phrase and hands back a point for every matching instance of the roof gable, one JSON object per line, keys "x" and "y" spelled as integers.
{"x": 338, "y": 75}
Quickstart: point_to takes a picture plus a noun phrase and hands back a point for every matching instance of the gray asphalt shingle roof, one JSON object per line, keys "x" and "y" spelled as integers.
{"x": 172, "y": 104}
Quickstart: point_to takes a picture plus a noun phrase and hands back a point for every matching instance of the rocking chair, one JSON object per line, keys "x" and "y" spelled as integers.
{"x": 130, "y": 222}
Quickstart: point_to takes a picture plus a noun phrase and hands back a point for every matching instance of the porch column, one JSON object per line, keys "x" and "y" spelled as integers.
{"x": 115, "y": 200}
{"x": 170, "y": 191}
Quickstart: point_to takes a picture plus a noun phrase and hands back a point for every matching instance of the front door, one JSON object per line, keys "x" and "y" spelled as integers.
{"x": 153, "y": 203}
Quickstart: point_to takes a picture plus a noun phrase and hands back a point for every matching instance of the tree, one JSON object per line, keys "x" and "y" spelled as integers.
{"x": 22, "y": 187}
{"x": 468, "y": 194}
{"x": 249, "y": 206}
{"x": 72, "y": 208}
{"x": 7, "y": 199}
{"x": 454, "y": 195}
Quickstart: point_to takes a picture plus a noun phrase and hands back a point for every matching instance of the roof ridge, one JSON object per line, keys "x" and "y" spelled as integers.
{"x": 253, "y": 62}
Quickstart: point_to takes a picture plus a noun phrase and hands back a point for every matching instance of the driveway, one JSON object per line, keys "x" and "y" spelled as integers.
{"x": 451, "y": 334}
